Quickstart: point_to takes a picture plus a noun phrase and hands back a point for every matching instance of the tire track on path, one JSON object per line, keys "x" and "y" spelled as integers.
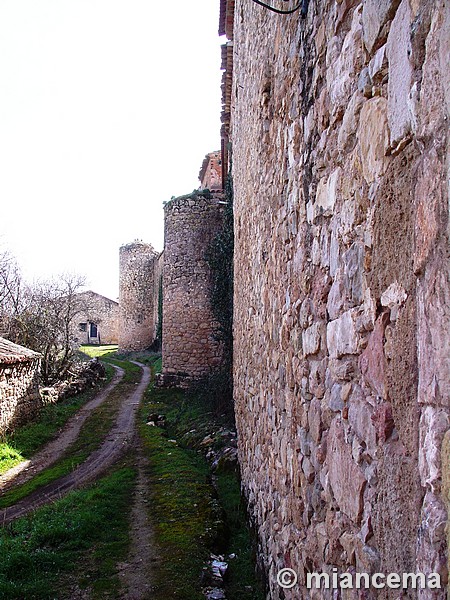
{"x": 116, "y": 443}
{"x": 46, "y": 457}
{"x": 136, "y": 572}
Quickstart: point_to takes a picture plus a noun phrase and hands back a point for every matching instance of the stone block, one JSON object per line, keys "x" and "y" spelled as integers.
{"x": 383, "y": 421}
{"x": 346, "y": 478}
{"x": 365, "y": 83}
{"x": 393, "y": 298}
{"x": 336, "y": 298}
{"x": 378, "y": 66}
{"x": 360, "y": 419}
{"x": 334, "y": 398}
{"x": 428, "y": 194}
{"x": 342, "y": 337}
{"x": 367, "y": 558}
{"x": 431, "y": 544}
{"x": 375, "y": 15}
{"x": 434, "y": 424}
{"x": 315, "y": 420}
{"x": 325, "y": 196}
{"x": 334, "y": 254}
{"x": 353, "y": 261}
{"x": 350, "y": 122}
{"x": 400, "y": 75}
{"x": 311, "y": 338}
{"x": 373, "y": 136}
{"x": 344, "y": 63}
{"x": 433, "y": 334}
{"x": 308, "y": 470}
{"x": 372, "y": 361}
{"x": 433, "y": 108}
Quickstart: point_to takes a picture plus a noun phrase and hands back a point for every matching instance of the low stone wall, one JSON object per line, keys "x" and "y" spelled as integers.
{"x": 189, "y": 344}
{"x": 19, "y": 393}
{"x": 342, "y": 292}
{"x": 81, "y": 377}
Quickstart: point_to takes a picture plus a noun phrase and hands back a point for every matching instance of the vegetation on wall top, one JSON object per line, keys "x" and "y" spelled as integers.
{"x": 206, "y": 193}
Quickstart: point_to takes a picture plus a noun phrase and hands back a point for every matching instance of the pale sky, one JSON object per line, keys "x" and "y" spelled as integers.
{"x": 107, "y": 109}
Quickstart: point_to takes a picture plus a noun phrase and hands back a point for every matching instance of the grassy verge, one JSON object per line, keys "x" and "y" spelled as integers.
{"x": 30, "y": 438}
{"x": 81, "y": 537}
{"x": 98, "y": 351}
{"x": 91, "y": 436}
{"x": 184, "y": 512}
{"x": 189, "y": 516}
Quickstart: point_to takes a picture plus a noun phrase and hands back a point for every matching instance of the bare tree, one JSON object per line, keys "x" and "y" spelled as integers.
{"x": 46, "y": 323}
{"x": 11, "y": 286}
{"x": 41, "y": 316}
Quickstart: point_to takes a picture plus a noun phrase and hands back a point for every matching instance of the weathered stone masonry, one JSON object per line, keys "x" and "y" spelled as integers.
{"x": 189, "y": 344}
{"x": 342, "y": 293}
{"x": 19, "y": 385}
{"x": 97, "y": 315}
{"x": 140, "y": 271}
{"x": 189, "y": 333}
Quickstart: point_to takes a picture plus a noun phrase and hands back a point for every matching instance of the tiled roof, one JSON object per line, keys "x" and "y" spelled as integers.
{"x": 11, "y": 353}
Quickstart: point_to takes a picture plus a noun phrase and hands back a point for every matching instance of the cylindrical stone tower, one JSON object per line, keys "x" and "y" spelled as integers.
{"x": 138, "y": 292}
{"x": 189, "y": 341}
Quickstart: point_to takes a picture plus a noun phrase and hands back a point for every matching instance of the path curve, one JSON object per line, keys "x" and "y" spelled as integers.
{"x": 43, "y": 459}
{"x": 116, "y": 443}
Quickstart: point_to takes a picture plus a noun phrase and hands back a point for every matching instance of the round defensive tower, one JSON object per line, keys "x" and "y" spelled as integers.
{"x": 138, "y": 293}
{"x": 189, "y": 334}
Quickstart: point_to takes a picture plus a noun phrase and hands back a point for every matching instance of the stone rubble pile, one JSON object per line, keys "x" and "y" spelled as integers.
{"x": 81, "y": 377}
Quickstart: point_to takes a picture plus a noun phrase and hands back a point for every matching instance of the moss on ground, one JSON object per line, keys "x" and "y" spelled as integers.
{"x": 191, "y": 517}
{"x": 184, "y": 513}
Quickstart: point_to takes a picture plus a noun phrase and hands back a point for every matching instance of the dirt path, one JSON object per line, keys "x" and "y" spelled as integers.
{"x": 117, "y": 442}
{"x": 135, "y": 573}
{"x": 43, "y": 459}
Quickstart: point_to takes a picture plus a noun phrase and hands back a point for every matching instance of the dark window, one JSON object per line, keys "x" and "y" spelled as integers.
{"x": 93, "y": 333}
{"x": 83, "y": 326}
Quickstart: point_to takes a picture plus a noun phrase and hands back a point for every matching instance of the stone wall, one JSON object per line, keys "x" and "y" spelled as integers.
{"x": 101, "y": 311}
{"x": 19, "y": 393}
{"x": 341, "y": 363}
{"x": 138, "y": 296}
{"x": 189, "y": 344}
